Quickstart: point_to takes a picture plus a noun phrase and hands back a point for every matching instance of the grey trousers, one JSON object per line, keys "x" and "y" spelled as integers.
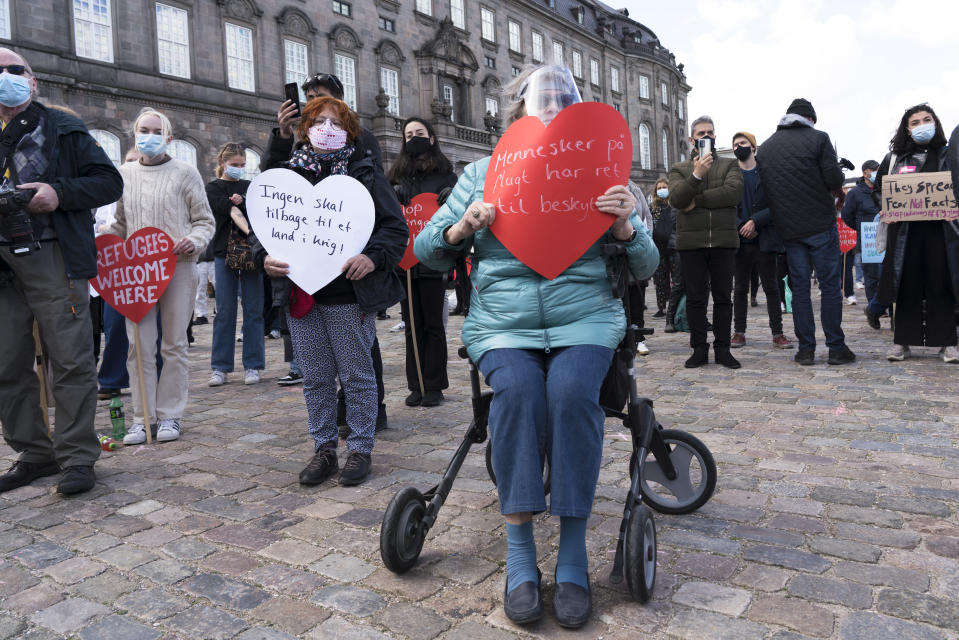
{"x": 36, "y": 286}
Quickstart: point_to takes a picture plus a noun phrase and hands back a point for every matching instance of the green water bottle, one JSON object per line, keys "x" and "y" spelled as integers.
{"x": 116, "y": 419}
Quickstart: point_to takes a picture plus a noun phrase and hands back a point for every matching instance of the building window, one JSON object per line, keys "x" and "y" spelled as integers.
{"x": 594, "y": 71}
{"x": 109, "y": 143}
{"x": 458, "y": 13}
{"x": 490, "y": 62}
{"x": 537, "y": 47}
{"x": 425, "y": 7}
{"x": 515, "y": 37}
{"x": 492, "y": 105}
{"x": 182, "y": 151}
{"x": 614, "y": 79}
{"x": 559, "y": 56}
{"x": 239, "y": 57}
{"x": 664, "y": 90}
{"x": 93, "y": 24}
{"x": 679, "y": 109}
{"x": 173, "y": 41}
{"x": 297, "y": 65}
{"x": 488, "y": 23}
{"x": 342, "y": 8}
{"x": 5, "y": 29}
{"x": 448, "y": 98}
{"x": 665, "y": 149}
{"x": 577, "y": 64}
{"x": 616, "y": 106}
{"x": 345, "y": 69}
{"x": 387, "y": 25}
{"x": 252, "y": 168}
{"x": 580, "y": 14}
{"x": 644, "y": 87}
{"x": 644, "y": 152}
{"x": 390, "y": 81}
{"x": 516, "y": 71}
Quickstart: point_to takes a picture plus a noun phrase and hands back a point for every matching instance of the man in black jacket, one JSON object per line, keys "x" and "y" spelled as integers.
{"x": 43, "y": 279}
{"x": 858, "y": 208}
{"x": 799, "y": 170}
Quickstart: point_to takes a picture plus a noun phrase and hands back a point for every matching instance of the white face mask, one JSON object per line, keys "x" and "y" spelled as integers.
{"x": 327, "y": 136}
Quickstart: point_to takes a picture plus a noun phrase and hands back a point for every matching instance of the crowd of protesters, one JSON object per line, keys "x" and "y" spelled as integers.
{"x": 710, "y": 229}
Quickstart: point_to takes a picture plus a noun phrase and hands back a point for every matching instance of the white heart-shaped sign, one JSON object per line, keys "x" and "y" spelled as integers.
{"x": 313, "y": 228}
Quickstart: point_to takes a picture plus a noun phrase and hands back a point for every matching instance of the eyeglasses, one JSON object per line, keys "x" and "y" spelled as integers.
{"x": 15, "y": 69}
{"x": 542, "y": 101}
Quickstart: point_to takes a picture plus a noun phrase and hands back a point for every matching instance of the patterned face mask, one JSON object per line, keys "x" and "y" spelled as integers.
{"x": 327, "y": 136}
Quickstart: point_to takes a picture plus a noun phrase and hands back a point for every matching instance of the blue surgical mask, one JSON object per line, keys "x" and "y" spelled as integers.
{"x": 235, "y": 173}
{"x": 14, "y": 90}
{"x": 923, "y": 133}
{"x": 662, "y": 193}
{"x": 150, "y": 144}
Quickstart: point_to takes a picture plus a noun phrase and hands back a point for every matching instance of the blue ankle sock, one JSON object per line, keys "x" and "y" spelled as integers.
{"x": 572, "y": 565}
{"x": 520, "y": 555}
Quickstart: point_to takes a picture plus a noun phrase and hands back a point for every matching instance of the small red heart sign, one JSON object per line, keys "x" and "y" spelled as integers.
{"x": 847, "y": 236}
{"x": 417, "y": 213}
{"x": 132, "y": 275}
{"x": 544, "y": 181}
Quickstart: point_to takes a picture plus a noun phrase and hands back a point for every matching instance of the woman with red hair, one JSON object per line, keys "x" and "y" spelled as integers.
{"x": 333, "y": 330}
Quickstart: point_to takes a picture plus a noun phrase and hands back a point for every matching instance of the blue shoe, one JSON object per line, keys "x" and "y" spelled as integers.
{"x": 524, "y": 604}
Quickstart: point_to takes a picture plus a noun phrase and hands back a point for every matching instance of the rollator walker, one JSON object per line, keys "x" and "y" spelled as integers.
{"x": 670, "y": 470}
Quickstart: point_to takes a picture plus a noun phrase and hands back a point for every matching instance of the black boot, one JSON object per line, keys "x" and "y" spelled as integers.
{"x": 726, "y": 359}
{"x": 699, "y": 358}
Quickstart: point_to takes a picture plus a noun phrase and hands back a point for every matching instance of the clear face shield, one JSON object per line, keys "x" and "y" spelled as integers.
{"x": 547, "y": 91}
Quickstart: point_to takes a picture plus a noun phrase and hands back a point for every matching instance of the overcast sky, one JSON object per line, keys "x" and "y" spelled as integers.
{"x": 861, "y": 64}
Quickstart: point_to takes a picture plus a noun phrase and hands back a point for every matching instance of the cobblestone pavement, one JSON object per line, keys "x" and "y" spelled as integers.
{"x": 834, "y": 515}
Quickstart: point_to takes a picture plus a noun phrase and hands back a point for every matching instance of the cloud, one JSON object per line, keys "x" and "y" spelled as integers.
{"x": 859, "y": 64}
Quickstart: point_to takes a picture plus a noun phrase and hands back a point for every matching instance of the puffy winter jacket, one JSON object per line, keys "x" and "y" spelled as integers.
{"x": 512, "y": 306}
{"x": 799, "y": 170}
{"x": 712, "y": 223}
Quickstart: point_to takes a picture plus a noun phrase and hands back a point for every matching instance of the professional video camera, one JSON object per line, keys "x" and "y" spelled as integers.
{"x": 847, "y": 164}
{"x": 15, "y": 222}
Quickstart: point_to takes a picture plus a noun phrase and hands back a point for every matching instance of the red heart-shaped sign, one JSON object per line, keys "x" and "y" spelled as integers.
{"x": 847, "y": 236}
{"x": 417, "y": 213}
{"x": 132, "y": 275}
{"x": 544, "y": 182}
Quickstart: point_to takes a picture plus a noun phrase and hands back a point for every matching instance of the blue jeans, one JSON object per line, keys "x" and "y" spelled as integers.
{"x": 113, "y": 364}
{"x": 822, "y": 251}
{"x": 250, "y": 283}
{"x": 546, "y": 406}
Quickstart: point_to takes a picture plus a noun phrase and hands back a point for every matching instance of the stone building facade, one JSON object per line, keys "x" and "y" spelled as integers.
{"x": 217, "y": 67}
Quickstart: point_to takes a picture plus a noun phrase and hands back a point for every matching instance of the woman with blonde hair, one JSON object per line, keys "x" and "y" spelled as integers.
{"x": 227, "y": 195}
{"x": 544, "y": 346}
{"x": 160, "y": 191}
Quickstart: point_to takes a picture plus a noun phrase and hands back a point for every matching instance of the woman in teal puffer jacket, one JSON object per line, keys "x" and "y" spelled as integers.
{"x": 544, "y": 346}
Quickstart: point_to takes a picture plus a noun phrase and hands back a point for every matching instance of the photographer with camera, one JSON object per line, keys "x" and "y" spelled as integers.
{"x": 53, "y": 174}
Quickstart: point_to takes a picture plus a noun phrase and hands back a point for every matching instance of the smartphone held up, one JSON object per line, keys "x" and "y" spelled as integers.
{"x": 292, "y": 92}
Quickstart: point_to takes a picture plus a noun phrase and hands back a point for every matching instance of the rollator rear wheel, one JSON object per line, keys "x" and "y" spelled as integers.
{"x": 402, "y": 533}
{"x": 640, "y": 550}
{"x": 695, "y": 475}
{"x": 492, "y": 474}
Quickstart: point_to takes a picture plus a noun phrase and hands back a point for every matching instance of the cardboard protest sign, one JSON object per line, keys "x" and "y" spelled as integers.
{"x": 417, "y": 213}
{"x": 869, "y": 253}
{"x": 847, "y": 236}
{"x": 313, "y": 228}
{"x": 918, "y": 196}
{"x": 132, "y": 275}
{"x": 544, "y": 182}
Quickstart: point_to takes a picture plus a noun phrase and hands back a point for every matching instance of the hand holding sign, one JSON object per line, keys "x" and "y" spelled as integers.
{"x": 132, "y": 275}
{"x": 314, "y": 230}
{"x": 544, "y": 183}
{"x": 417, "y": 213}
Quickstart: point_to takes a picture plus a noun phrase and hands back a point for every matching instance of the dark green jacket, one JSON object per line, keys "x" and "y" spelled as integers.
{"x": 712, "y": 223}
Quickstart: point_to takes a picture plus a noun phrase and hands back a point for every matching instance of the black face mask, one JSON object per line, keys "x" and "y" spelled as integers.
{"x": 742, "y": 153}
{"x": 418, "y": 145}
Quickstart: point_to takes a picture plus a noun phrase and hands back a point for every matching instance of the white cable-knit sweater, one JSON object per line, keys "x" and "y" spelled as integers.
{"x": 170, "y": 196}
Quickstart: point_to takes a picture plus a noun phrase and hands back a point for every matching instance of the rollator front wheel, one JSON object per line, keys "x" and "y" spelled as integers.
{"x": 492, "y": 474}
{"x": 640, "y": 550}
{"x": 695, "y": 478}
{"x": 402, "y": 533}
